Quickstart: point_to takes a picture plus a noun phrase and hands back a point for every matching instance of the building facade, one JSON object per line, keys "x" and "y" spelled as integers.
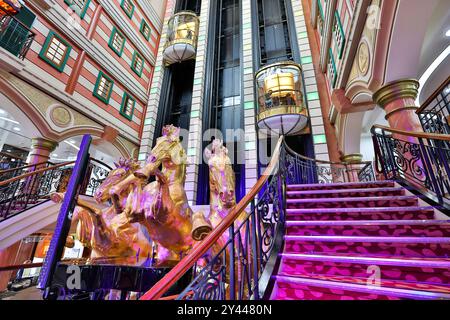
{"x": 76, "y": 67}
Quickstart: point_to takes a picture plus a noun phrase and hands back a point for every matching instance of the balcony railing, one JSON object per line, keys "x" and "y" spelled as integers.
{"x": 420, "y": 160}
{"x": 15, "y": 36}
{"x": 434, "y": 114}
{"x": 37, "y": 182}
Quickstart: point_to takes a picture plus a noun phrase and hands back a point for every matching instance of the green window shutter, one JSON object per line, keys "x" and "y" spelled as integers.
{"x": 113, "y": 45}
{"x": 127, "y": 107}
{"x": 128, "y": 7}
{"x": 339, "y": 34}
{"x": 81, "y": 11}
{"x": 137, "y": 67}
{"x": 56, "y": 51}
{"x": 145, "y": 29}
{"x": 103, "y": 87}
{"x": 332, "y": 71}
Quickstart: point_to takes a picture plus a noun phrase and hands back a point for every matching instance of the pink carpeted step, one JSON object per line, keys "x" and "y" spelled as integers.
{"x": 369, "y": 202}
{"x": 330, "y": 288}
{"x": 380, "y": 213}
{"x": 395, "y": 246}
{"x": 341, "y": 193}
{"x": 396, "y": 228}
{"x": 414, "y": 270}
{"x": 334, "y": 186}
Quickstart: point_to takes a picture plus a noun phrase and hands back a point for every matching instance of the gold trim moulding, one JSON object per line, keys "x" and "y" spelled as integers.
{"x": 283, "y": 110}
{"x": 400, "y": 89}
{"x": 185, "y": 41}
{"x": 278, "y": 64}
{"x": 185, "y": 13}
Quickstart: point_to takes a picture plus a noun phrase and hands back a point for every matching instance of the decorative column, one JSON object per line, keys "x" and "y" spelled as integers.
{"x": 398, "y": 101}
{"x": 398, "y": 98}
{"x": 352, "y": 168}
{"x": 40, "y": 150}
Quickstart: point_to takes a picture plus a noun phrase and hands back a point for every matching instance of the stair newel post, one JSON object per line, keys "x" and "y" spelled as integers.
{"x": 232, "y": 265}
{"x": 385, "y": 148}
{"x": 254, "y": 251}
{"x": 428, "y": 167}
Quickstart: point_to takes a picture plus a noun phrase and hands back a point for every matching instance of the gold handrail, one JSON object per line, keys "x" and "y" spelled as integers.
{"x": 424, "y": 135}
{"x": 157, "y": 291}
{"x": 31, "y": 173}
{"x": 28, "y": 174}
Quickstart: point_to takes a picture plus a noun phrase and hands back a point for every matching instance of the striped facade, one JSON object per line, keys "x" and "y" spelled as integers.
{"x": 89, "y": 36}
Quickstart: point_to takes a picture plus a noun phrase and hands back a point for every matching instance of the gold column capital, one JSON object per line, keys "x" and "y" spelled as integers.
{"x": 399, "y": 89}
{"x": 45, "y": 144}
{"x": 352, "y": 158}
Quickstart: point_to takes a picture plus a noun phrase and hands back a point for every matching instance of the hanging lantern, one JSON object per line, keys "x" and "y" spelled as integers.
{"x": 281, "y": 107}
{"x": 182, "y": 37}
{"x": 9, "y": 7}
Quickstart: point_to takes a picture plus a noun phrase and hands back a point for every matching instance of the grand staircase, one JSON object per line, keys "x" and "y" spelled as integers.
{"x": 362, "y": 241}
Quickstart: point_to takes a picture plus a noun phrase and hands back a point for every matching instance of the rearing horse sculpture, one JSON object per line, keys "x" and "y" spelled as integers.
{"x": 222, "y": 183}
{"x": 162, "y": 206}
{"x": 110, "y": 235}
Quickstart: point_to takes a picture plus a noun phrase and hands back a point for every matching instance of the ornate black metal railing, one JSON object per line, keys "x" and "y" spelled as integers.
{"x": 235, "y": 273}
{"x": 15, "y": 36}
{"x": 34, "y": 187}
{"x": 421, "y": 160}
{"x": 303, "y": 170}
{"x": 434, "y": 114}
{"x": 242, "y": 267}
{"x": 10, "y": 166}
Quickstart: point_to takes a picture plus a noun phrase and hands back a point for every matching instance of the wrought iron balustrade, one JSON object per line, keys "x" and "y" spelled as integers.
{"x": 434, "y": 114}
{"x": 242, "y": 267}
{"x": 35, "y": 185}
{"x": 10, "y": 166}
{"x": 303, "y": 170}
{"x": 15, "y": 36}
{"x": 421, "y": 160}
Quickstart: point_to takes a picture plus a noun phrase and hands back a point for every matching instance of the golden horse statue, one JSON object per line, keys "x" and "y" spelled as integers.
{"x": 162, "y": 206}
{"x": 110, "y": 235}
{"x": 222, "y": 184}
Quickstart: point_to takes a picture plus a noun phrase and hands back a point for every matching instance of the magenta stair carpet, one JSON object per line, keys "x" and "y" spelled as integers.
{"x": 362, "y": 241}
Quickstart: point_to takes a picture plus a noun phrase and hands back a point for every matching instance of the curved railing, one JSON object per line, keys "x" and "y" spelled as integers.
{"x": 419, "y": 159}
{"x": 242, "y": 267}
{"x": 302, "y": 170}
{"x": 434, "y": 114}
{"x": 38, "y": 181}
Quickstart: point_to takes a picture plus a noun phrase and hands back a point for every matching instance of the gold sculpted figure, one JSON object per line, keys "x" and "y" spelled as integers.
{"x": 162, "y": 206}
{"x": 110, "y": 235}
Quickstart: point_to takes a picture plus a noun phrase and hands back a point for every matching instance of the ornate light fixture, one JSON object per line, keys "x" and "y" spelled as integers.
{"x": 182, "y": 37}
{"x": 9, "y": 7}
{"x": 281, "y": 106}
